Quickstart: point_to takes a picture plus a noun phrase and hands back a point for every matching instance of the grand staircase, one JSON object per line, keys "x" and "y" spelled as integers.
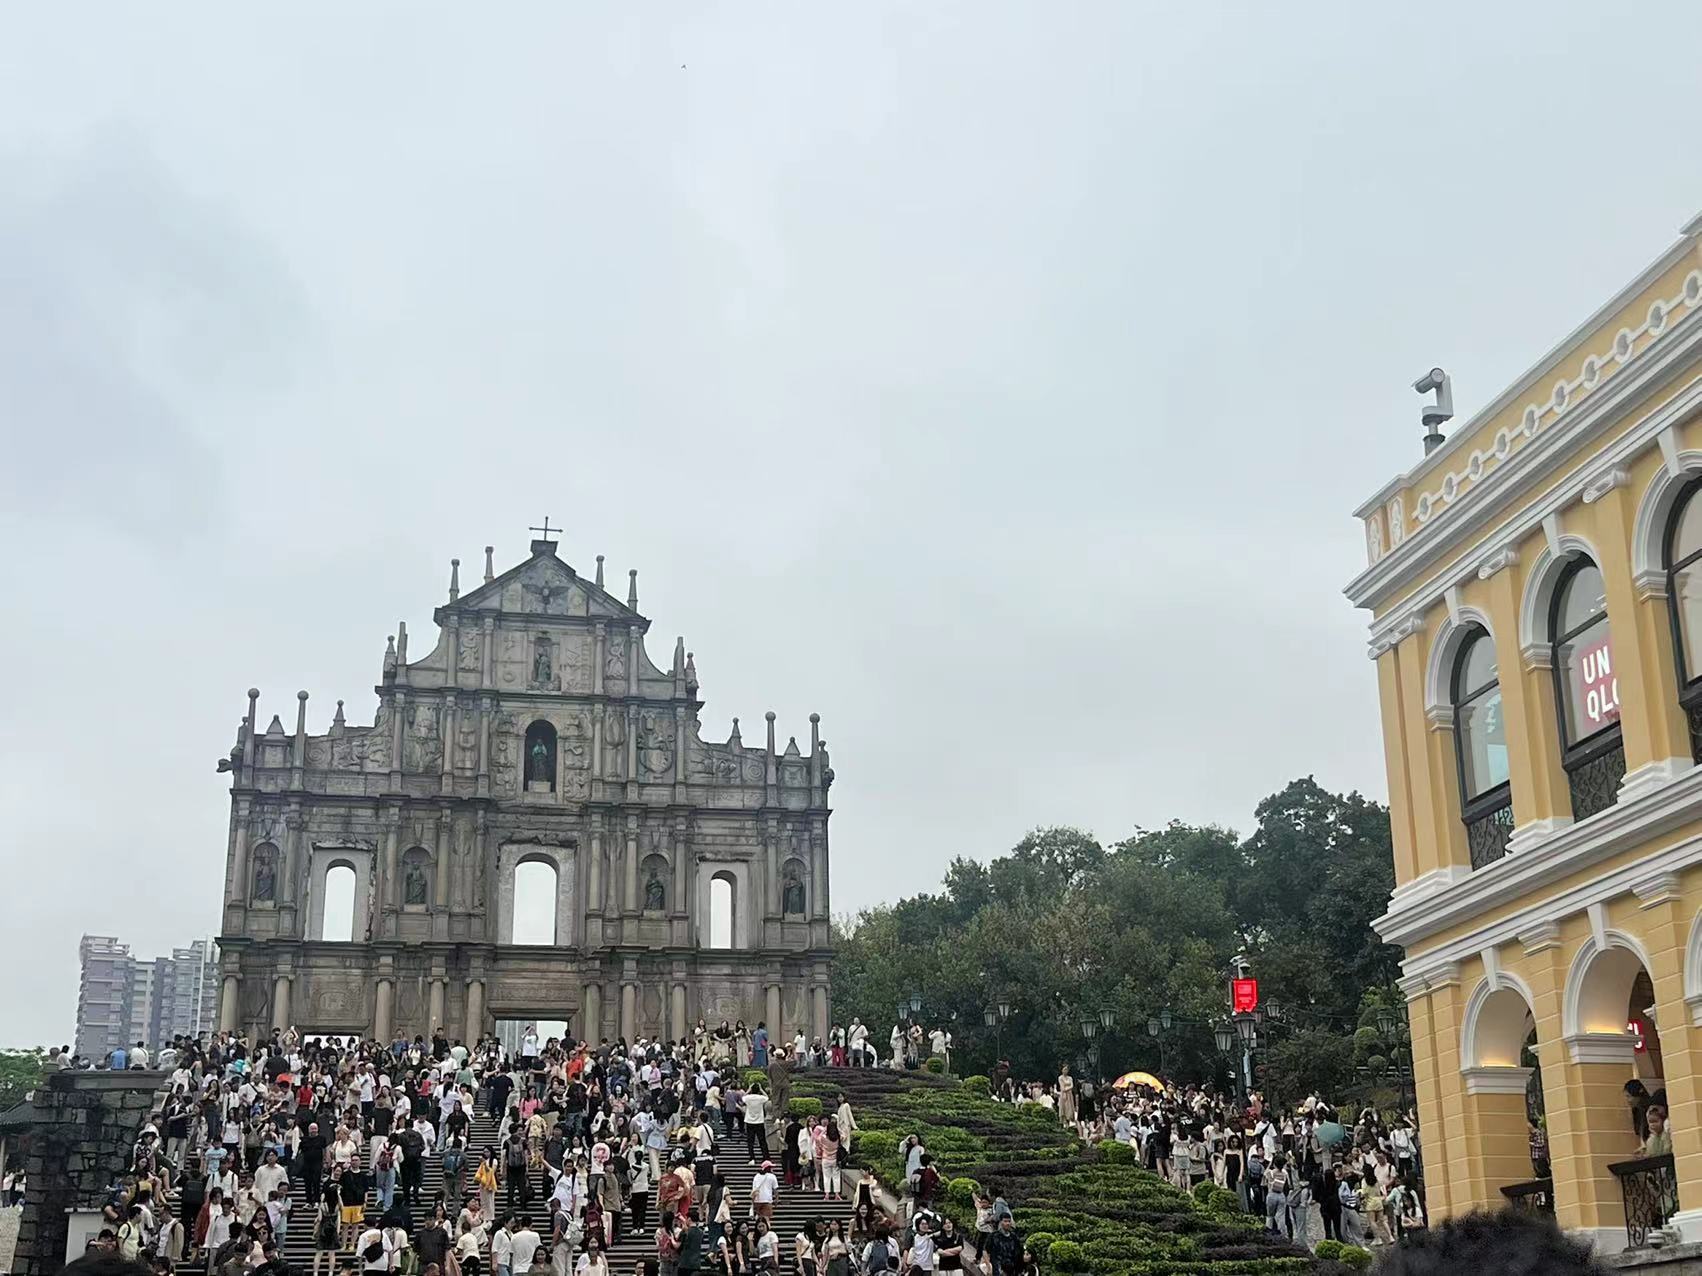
{"x": 794, "y": 1208}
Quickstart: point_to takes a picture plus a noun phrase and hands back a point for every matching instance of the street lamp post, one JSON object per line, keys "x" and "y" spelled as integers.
{"x": 995, "y": 1015}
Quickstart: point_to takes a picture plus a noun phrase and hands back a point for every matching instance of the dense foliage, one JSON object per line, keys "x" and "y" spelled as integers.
{"x": 1063, "y": 925}
{"x": 20, "y": 1072}
{"x": 1081, "y": 1209}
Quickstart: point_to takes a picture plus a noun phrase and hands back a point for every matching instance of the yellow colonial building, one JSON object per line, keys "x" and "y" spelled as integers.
{"x": 1535, "y": 586}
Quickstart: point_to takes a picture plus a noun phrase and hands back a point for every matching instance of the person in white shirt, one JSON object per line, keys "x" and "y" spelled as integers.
{"x": 269, "y": 1175}
{"x": 763, "y": 1188}
{"x": 524, "y": 1247}
{"x": 374, "y": 1250}
{"x": 921, "y": 1255}
{"x": 502, "y": 1248}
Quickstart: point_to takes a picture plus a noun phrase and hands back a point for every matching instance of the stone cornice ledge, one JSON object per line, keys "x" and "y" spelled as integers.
{"x": 1413, "y": 918}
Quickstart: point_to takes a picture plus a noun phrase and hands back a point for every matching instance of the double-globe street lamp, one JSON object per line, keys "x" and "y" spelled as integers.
{"x": 1158, "y": 1028}
{"x": 1091, "y": 1026}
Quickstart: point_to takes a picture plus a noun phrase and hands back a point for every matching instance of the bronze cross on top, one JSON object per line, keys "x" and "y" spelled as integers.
{"x": 546, "y": 529}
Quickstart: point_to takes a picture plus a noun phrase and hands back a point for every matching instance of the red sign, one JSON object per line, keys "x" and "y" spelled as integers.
{"x": 1635, "y": 1028}
{"x": 1244, "y": 995}
{"x": 1600, "y": 698}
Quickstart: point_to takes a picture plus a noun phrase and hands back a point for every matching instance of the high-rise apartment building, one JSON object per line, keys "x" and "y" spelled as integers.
{"x": 122, "y": 999}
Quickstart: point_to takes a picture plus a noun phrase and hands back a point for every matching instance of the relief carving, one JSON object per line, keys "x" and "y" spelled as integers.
{"x": 655, "y": 744}
{"x": 338, "y": 1002}
{"x": 575, "y": 741}
{"x": 614, "y": 666}
{"x": 468, "y": 655}
{"x": 614, "y": 746}
{"x": 422, "y": 747}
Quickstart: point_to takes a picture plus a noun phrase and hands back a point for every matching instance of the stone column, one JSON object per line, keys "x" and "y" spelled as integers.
{"x": 483, "y": 783}
{"x": 629, "y": 898}
{"x": 677, "y": 1011}
{"x": 487, "y": 654}
{"x": 597, "y": 741}
{"x": 681, "y": 893}
{"x": 298, "y": 750}
{"x": 594, "y": 892}
{"x": 281, "y": 1002}
{"x": 398, "y": 705}
{"x": 384, "y": 889}
{"x": 434, "y": 1013}
{"x": 591, "y": 1010}
{"x": 446, "y": 730}
{"x": 230, "y": 1002}
{"x": 818, "y": 873}
{"x": 632, "y": 742}
{"x": 629, "y": 1011}
{"x": 384, "y": 1001}
{"x": 772, "y": 1014}
{"x": 599, "y": 646}
{"x": 442, "y": 844}
{"x": 818, "y": 1007}
{"x": 475, "y": 1025}
{"x": 771, "y": 872}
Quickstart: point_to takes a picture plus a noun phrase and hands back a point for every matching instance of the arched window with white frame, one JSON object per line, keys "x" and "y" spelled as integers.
{"x": 1586, "y": 689}
{"x": 1480, "y": 743}
{"x": 1683, "y": 555}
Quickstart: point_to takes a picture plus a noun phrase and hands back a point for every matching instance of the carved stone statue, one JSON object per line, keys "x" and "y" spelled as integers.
{"x": 265, "y": 876}
{"x": 792, "y": 896}
{"x": 538, "y": 763}
{"x": 541, "y": 662}
{"x": 615, "y": 666}
{"x": 414, "y": 884}
{"x": 655, "y": 895}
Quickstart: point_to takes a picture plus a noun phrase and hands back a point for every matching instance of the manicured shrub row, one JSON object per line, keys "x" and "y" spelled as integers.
{"x": 1087, "y": 1211}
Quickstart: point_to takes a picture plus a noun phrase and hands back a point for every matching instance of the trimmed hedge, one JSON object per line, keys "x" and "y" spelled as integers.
{"x": 935, "y": 1065}
{"x": 804, "y": 1108}
{"x": 750, "y": 1076}
{"x": 1347, "y": 1255}
{"x": 978, "y": 1085}
{"x": 1086, "y": 1211}
{"x": 1067, "y": 1256}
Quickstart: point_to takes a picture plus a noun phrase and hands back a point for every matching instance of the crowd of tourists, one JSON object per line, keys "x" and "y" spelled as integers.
{"x": 1311, "y": 1172}
{"x": 594, "y": 1142}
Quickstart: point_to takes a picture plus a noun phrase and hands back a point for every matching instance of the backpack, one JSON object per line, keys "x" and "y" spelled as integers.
{"x": 517, "y": 1156}
{"x": 880, "y": 1256}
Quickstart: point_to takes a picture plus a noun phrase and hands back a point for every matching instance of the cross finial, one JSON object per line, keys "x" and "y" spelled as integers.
{"x": 545, "y": 530}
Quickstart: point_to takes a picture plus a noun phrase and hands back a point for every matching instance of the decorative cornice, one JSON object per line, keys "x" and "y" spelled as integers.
{"x": 1654, "y": 891}
{"x": 1567, "y": 851}
{"x": 1392, "y": 637}
{"x": 1537, "y": 655}
{"x": 1496, "y": 1080}
{"x": 1533, "y": 833}
{"x": 1651, "y": 584}
{"x": 1601, "y": 1047}
{"x": 1540, "y": 937}
{"x": 1440, "y": 717}
{"x": 1603, "y": 483}
{"x": 1546, "y": 456}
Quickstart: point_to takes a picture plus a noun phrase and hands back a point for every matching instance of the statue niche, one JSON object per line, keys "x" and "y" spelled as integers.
{"x": 265, "y": 873}
{"x": 416, "y": 883}
{"x": 540, "y": 755}
{"x": 655, "y": 884}
{"x": 542, "y": 672}
{"x": 792, "y": 889}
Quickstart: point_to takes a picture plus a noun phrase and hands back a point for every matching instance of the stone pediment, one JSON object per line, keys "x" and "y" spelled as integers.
{"x": 543, "y": 585}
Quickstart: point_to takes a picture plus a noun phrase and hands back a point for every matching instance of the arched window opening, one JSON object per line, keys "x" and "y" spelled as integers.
{"x": 1480, "y": 741}
{"x": 1587, "y": 689}
{"x": 540, "y": 759}
{"x": 534, "y": 917}
{"x": 338, "y": 923}
{"x": 721, "y": 892}
{"x": 416, "y": 877}
{"x": 1684, "y": 590}
{"x": 792, "y": 888}
{"x": 265, "y": 888}
{"x": 654, "y": 875}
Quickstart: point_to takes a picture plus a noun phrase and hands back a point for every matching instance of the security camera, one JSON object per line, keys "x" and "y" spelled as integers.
{"x": 1434, "y": 414}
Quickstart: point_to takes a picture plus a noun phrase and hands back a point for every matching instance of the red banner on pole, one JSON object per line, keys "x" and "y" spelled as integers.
{"x": 1244, "y": 995}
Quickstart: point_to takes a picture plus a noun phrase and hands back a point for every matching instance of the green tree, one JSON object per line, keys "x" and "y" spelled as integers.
{"x": 20, "y": 1072}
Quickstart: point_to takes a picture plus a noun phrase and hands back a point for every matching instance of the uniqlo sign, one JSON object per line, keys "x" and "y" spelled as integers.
{"x": 1600, "y": 688}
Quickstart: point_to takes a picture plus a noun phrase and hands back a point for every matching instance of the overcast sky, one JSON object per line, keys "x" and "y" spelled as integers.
{"x": 995, "y": 380}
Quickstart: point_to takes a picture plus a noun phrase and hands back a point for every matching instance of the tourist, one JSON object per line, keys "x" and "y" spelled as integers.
{"x": 1004, "y": 1253}
{"x": 1277, "y": 1182}
{"x": 1659, "y": 1139}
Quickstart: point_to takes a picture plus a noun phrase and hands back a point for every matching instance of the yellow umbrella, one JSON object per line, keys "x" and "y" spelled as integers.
{"x": 1137, "y": 1078}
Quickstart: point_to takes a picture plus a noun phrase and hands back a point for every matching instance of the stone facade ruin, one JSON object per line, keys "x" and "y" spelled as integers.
{"x": 536, "y": 731}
